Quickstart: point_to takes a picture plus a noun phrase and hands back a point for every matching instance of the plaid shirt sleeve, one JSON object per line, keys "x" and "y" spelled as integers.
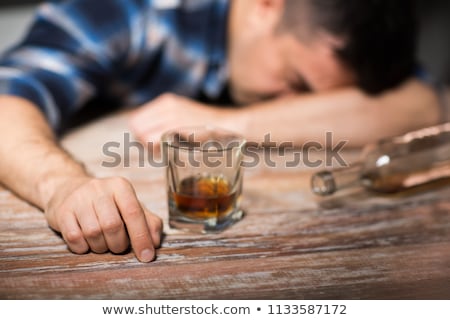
{"x": 127, "y": 51}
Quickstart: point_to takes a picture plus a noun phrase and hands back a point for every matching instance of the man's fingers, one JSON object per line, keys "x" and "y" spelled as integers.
{"x": 134, "y": 218}
{"x": 73, "y": 235}
{"x": 144, "y": 128}
{"x": 98, "y": 214}
{"x": 155, "y": 225}
{"x": 111, "y": 223}
{"x": 87, "y": 218}
{"x": 144, "y": 120}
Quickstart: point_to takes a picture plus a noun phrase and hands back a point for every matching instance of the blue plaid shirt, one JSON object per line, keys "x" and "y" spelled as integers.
{"x": 125, "y": 52}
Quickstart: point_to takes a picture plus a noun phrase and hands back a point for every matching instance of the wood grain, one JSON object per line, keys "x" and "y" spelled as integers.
{"x": 290, "y": 245}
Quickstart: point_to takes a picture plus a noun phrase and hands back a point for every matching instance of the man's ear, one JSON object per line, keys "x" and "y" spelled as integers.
{"x": 331, "y": 41}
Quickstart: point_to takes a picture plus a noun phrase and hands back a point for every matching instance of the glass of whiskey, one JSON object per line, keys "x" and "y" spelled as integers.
{"x": 204, "y": 177}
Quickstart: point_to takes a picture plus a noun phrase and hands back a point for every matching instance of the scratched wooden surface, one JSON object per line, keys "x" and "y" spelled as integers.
{"x": 290, "y": 245}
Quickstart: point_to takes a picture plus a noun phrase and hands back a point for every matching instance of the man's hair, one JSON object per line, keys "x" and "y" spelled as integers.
{"x": 379, "y": 36}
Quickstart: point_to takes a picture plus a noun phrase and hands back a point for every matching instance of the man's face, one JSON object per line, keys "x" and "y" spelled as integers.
{"x": 281, "y": 64}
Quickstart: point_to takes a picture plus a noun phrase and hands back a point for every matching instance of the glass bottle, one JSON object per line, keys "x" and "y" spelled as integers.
{"x": 393, "y": 164}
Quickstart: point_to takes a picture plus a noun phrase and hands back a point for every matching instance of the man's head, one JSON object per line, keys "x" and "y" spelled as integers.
{"x": 280, "y": 46}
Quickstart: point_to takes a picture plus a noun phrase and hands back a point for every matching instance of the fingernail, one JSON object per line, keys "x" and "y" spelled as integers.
{"x": 147, "y": 255}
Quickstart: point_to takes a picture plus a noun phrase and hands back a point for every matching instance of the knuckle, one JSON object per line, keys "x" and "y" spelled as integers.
{"x": 102, "y": 200}
{"x": 60, "y": 214}
{"x": 141, "y": 237}
{"x": 92, "y": 232}
{"x": 73, "y": 236}
{"x": 96, "y": 184}
{"x": 133, "y": 211}
{"x": 112, "y": 226}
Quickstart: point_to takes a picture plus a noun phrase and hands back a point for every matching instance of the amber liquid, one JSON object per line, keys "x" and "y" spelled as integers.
{"x": 204, "y": 197}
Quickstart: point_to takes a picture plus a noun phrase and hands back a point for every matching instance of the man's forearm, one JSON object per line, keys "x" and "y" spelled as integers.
{"x": 91, "y": 214}
{"x": 31, "y": 162}
{"x": 347, "y": 113}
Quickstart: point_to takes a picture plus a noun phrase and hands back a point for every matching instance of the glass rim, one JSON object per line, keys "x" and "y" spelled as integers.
{"x": 168, "y": 140}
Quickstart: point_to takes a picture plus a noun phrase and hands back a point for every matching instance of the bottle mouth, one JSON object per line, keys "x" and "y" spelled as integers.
{"x": 323, "y": 184}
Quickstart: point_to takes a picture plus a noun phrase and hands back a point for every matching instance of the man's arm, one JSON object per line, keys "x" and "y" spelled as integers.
{"x": 348, "y": 113}
{"x": 90, "y": 213}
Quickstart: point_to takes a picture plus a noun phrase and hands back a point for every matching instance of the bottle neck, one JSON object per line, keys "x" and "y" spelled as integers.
{"x": 328, "y": 182}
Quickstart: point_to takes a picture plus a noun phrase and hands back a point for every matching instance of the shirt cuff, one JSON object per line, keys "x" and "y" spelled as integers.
{"x": 17, "y": 83}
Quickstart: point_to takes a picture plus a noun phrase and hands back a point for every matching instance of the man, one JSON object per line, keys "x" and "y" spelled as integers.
{"x": 263, "y": 55}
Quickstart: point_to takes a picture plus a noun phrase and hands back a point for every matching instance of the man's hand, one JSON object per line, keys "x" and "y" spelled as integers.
{"x": 102, "y": 215}
{"x": 95, "y": 214}
{"x": 169, "y": 111}
{"x": 348, "y": 113}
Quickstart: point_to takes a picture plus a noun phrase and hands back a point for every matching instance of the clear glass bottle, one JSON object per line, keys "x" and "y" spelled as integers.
{"x": 393, "y": 164}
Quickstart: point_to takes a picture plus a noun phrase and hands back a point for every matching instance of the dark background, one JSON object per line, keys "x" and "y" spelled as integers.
{"x": 17, "y": 2}
{"x": 434, "y": 36}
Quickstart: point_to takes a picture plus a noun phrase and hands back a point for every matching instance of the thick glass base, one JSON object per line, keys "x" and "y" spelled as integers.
{"x": 212, "y": 225}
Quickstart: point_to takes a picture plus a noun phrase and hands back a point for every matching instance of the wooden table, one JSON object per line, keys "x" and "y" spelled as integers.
{"x": 290, "y": 245}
